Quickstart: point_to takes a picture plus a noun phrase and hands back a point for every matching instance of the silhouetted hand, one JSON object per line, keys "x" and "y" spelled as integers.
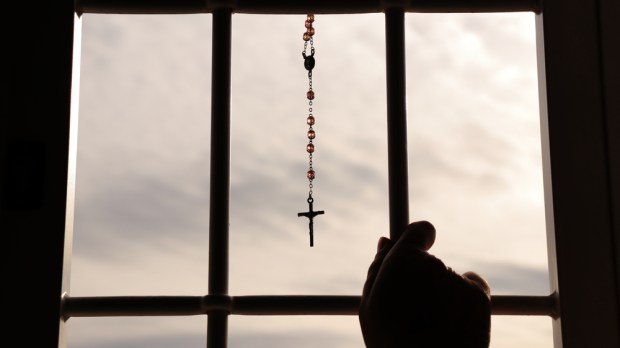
{"x": 412, "y": 300}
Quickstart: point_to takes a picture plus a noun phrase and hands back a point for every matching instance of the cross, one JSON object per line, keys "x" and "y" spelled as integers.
{"x": 310, "y": 214}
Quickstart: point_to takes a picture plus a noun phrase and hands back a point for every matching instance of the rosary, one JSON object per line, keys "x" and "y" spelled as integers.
{"x": 309, "y": 65}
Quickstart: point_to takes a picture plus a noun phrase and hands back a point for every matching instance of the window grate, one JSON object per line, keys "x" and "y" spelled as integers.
{"x": 218, "y": 304}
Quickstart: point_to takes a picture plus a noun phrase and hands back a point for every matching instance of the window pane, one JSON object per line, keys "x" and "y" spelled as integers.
{"x": 137, "y": 332}
{"x": 270, "y": 252}
{"x": 295, "y": 331}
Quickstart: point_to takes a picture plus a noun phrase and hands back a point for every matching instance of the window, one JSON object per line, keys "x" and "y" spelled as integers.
{"x": 563, "y": 241}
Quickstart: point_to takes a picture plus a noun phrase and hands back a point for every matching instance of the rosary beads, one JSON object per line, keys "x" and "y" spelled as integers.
{"x": 309, "y": 62}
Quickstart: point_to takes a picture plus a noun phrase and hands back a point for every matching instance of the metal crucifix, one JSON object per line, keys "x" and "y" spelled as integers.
{"x": 310, "y": 214}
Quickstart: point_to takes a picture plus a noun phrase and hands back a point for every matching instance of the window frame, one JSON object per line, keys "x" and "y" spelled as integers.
{"x": 578, "y": 79}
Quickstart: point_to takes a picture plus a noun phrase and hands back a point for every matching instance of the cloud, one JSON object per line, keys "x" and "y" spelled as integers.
{"x": 179, "y": 340}
{"x": 511, "y": 279}
{"x": 303, "y": 339}
{"x": 140, "y": 208}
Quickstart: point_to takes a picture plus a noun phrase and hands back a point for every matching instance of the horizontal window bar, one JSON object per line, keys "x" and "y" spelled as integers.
{"x": 302, "y": 7}
{"x": 116, "y": 306}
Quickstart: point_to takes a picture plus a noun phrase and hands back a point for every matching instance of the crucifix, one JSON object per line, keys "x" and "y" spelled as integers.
{"x": 310, "y": 214}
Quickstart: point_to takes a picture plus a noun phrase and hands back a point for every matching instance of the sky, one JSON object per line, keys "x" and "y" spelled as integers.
{"x": 142, "y": 179}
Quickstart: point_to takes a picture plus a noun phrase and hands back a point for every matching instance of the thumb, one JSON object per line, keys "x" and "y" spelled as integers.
{"x": 419, "y": 234}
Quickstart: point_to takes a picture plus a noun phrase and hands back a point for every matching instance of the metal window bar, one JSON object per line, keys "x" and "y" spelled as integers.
{"x": 119, "y": 306}
{"x": 578, "y": 81}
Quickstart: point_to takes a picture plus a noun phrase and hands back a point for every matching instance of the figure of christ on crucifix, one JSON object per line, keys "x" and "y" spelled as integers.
{"x": 310, "y": 214}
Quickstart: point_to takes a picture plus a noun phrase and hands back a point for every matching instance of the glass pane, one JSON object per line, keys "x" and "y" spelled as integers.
{"x": 521, "y": 331}
{"x": 475, "y": 153}
{"x": 143, "y": 156}
{"x": 296, "y": 331}
{"x": 137, "y": 332}
{"x": 270, "y": 252}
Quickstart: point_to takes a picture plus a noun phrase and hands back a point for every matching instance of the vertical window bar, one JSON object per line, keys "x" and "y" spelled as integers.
{"x": 220, "y": 175}
{"x": 396, "y": 121}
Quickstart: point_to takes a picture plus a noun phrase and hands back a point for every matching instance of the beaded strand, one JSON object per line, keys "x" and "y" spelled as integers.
{"x": 309, "y": 62}
{"x": 310, "y": 174}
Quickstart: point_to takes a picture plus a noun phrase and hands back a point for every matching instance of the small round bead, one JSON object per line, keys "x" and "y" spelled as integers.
{"x": 310, "y": 148}
{"x": 311, "y": 134}
{"x": 310, "y": 31}
{"x": 307, "y": 36}
{"x": 310, "y": 18}
{"x": 310, "y": 95}
{"x": 310, "y": 120}
{"x": 310, "y": 174}
{"x": 308, "y": 24}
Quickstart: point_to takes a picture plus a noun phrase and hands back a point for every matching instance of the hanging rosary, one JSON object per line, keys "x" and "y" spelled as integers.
{"x": 309, "y": 65}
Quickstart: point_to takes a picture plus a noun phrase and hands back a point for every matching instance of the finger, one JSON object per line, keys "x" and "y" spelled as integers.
{"x": 383, "y": 242}
{"x": 383, "y": 247}
{"x": 420, "y": 234}
{"x": 475, "y": 278}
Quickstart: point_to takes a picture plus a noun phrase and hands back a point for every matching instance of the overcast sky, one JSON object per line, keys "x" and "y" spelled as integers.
{"x": 142, "y": 193}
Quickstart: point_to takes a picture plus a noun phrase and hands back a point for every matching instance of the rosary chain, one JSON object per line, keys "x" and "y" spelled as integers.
{"x": 309, "y": 65}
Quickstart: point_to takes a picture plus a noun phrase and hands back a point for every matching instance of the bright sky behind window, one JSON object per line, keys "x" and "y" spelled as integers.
{"x": 142, "y": 192}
